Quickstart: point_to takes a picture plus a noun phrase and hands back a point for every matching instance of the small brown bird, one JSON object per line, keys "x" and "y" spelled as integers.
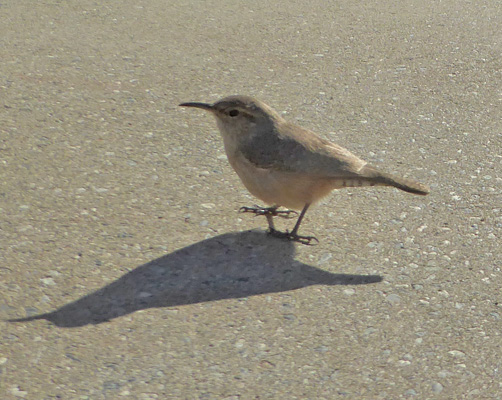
{"x": 286, "y": 165}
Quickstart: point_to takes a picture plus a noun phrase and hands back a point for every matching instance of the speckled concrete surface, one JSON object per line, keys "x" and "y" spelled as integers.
{"x": 120, "y": 241}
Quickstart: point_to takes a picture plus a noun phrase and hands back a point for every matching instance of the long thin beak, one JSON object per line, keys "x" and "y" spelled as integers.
{"x": 203, "y": 106}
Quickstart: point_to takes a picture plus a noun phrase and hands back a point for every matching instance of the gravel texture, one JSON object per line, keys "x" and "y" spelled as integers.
{"x": 126, "y": 270}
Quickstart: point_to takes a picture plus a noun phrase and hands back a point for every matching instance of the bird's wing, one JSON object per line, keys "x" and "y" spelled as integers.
{"x": 295, "y": 149}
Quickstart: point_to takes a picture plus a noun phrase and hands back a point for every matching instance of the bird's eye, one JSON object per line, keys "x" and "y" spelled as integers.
{"x": 233, "y": 113}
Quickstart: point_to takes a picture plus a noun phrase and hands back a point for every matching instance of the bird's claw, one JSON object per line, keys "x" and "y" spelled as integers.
{"x": 272, "y": 211}
{"x": 287, "y": 214}
{"x": 255, "y": 210}
{"x": 307, "y": 240}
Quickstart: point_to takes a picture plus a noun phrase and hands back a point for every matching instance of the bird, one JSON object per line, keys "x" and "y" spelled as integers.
{"x": 285, "y": 165}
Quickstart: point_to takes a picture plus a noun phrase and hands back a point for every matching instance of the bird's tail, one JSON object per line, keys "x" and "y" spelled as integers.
{"x": 382, "y": 178}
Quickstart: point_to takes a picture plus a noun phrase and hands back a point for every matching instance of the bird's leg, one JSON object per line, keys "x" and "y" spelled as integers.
{"x": 293, "y": 235}
{"x": 270, "y": 220}
{"x": 294, "y": 232}
{"x": 269, "y": 213}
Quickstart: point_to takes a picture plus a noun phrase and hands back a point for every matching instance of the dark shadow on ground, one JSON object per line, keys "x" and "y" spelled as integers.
{"x": 232, "y": 265}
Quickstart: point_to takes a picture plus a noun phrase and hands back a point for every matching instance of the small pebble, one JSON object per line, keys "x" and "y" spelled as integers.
{"x": 324, "y": 258}
{"x": 437, "y": 387}
{"x": 31, "y": 311}
{"x": 369, "y": 331}
{"x": 48, "y": 281}
{"x": 17, "y": 392}
{"x": 393, "y": 298}
{"x": 456, "y": 353}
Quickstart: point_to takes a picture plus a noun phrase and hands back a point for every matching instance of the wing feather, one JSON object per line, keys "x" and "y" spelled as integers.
{"x": 290, "y": 148}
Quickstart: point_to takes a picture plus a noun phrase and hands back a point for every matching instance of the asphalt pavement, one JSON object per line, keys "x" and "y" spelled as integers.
{"x": 126, "y": 270}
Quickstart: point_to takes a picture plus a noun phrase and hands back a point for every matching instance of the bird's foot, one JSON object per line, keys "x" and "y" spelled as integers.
{"x": 288, "y": 214}
{"x": 293, "y": 237}
{"x": 271, "y": 211}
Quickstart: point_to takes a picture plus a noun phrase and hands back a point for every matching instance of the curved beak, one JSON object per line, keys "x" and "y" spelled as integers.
{"x": 203, "y": 106}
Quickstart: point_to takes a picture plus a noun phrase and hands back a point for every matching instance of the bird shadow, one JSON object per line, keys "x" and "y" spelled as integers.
{"x": 232, "y": 265}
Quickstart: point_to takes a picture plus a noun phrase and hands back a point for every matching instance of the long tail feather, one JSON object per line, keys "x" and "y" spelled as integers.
{"x": 406, "y": 184}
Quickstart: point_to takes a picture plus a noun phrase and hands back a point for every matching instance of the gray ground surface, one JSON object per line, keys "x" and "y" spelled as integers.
{"x": 119, "y": 230}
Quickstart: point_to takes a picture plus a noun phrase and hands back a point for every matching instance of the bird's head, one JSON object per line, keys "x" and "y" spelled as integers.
{"x": 239, "y": 115}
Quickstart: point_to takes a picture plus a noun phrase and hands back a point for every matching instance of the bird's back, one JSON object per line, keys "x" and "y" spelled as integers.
{"x": 290, "y": 148}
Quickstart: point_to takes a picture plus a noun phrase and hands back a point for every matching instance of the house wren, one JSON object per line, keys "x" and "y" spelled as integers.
{"x": 285, "y": 165}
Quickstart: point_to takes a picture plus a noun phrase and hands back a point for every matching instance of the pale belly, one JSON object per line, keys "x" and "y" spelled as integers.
{"x": 287, "y": 189}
